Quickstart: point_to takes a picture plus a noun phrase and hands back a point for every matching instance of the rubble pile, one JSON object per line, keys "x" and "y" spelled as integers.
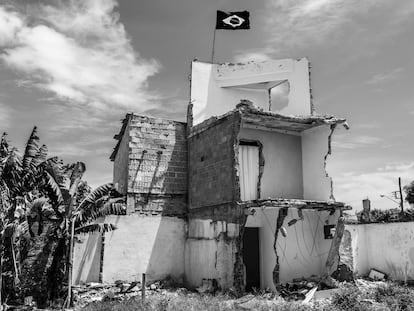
{"x": 301, "y": 288}
{"x": 120, "y": 291}
{"x": 90, "y": 292}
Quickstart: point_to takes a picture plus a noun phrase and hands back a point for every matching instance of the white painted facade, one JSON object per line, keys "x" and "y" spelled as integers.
{"x": 294, "y": 165}
{"x": 282, "y": 172}
{"x": 210, "y": 252}
{"x": 317, "y": 185}
{"x": 87, "y": 258}
{"x": 218, "y": 88}
{"x": 388, "y": 248}
{"x": 302, "y": 253}
{"x": 152, "y": 245}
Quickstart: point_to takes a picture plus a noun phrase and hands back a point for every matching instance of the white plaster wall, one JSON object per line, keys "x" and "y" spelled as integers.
{"x": 210, "y": 248}
{"x": 302, "y": 252}
{"x": 316, "y": 185}
{"x": 211, "y": 100}
{"x": 210, "y": 252}
{"x": 144, "y": 244}
{"x": 282, "y": 175}
{"x": 359, "y": 248}
{"x": 86, "y": 258}
{"x": 385, "y": 247}
{"x": 216, "y": 89}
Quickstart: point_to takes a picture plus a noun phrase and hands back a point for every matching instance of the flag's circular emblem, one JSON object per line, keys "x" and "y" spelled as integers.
{"x": 233, "y": 21}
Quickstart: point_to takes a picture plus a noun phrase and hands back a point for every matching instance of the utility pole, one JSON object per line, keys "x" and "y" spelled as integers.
{"x": 401, "y": 196}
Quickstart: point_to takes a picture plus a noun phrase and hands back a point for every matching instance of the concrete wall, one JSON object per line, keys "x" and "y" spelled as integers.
{"x": 143, "y": 244}
{"x": 216, "y": 89}
{"x": 87, "y": 258}
{"x": 211, "y": 247}
{"x": 315, "y": 147}
{"x": 282, "y": 175}
{"x": 385, "y": 247}
{"x": 210, "y": 252}
{"x": 302, "y": 252}
{"x": 209, "y": 99}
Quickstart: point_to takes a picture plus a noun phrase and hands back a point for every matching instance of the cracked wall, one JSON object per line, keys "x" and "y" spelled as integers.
{"x": 301, "y": 253}
{"x": 316, "y": 146}
{"x": 212, "y": 250}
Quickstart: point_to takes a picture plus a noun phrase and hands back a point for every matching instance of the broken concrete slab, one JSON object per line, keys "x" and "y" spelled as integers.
{"x": 325, "y": 294}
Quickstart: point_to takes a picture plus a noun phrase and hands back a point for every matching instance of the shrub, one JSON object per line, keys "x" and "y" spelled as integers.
{"x": 348, "y": 298}
{"x": 396, "y": 297}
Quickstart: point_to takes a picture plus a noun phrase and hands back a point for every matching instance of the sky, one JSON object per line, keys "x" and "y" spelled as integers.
{"x": 74, "y": 68}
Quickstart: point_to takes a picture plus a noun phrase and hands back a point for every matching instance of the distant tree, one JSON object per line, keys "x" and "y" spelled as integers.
{"x": 409, "y": 192}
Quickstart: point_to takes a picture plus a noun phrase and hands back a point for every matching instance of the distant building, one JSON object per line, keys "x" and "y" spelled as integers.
{"x": 238, "y": 194}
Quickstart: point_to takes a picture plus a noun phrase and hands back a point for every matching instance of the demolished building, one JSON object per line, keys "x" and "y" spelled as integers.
{"x": 238, "y": 194}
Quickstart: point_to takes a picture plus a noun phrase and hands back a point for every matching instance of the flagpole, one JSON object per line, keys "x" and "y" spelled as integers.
{"x": 214, "y": 42}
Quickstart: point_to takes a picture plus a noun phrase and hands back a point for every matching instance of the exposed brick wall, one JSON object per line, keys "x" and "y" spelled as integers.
{"x": 212, "y": 175}
{"x": 157, "y": 175}
{"x": 153, "y": 204}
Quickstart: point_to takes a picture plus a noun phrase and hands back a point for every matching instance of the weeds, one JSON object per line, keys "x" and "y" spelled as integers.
{"x": 383, "y": 297}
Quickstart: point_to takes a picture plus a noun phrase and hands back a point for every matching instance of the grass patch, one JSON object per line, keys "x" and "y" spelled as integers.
{"x": 375, "y": 297}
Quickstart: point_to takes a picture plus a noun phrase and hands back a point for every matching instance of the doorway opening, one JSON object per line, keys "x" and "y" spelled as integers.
{"x": 251, "y": 258}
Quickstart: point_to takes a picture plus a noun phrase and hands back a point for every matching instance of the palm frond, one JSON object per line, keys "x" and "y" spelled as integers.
{"x": 54, "y": 192}
{"x": 11, "y": 172}
{"x": 4, "y": 145}
{"x": 40, "y": 156}
{"x": 76, "y": 175}
{"x": 37, "y": 206}
{"x": 55, "y": 167}
{"x": 23, "y": 227}
{"x": 111, "y": 208}
{"x": 92, "y": 203}
{"x": 32, "y": 148}
{"x": 9, "y": 230}
{"x": 4, "y": 197}
{"x": 95, "y": 195}
{"x": 114, "y": 206}
{"x": 92, "y": 228}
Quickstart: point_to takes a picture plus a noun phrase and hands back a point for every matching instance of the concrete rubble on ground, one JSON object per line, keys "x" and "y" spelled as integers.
{"x": 90, "y": 292}
{"x": 95, "y": 292}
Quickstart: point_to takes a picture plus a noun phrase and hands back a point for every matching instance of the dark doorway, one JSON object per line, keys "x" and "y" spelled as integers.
{"x": 251, "y": 258}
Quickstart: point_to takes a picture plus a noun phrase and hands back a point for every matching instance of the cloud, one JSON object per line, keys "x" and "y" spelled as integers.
{"x": 385, "y": 77}
{"x": 296, "y": 23}
{"x": 300, "y": 22}
{"x": 353, "y": 187}
{"x": 4, "y": 117}
{"x": 10, "y": 24}
{"x": 361, "y": 141}
{"x": 78, "y": 51}
{"x": 366, "y": 125}
{"x": 251, "y": 56}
